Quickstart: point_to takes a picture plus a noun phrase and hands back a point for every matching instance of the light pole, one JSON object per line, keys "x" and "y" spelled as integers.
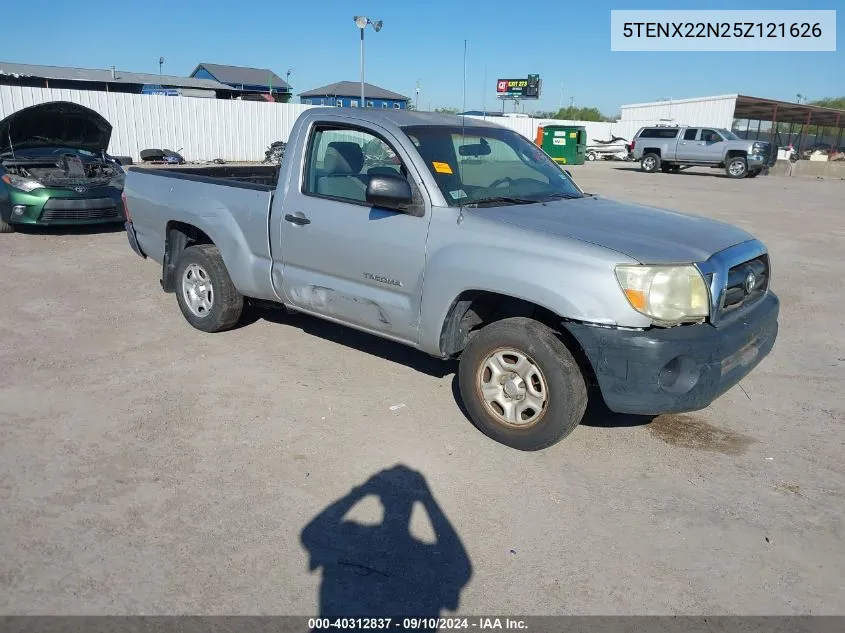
{"x": 160, "y": 62}
{"x": 361, "y": 22}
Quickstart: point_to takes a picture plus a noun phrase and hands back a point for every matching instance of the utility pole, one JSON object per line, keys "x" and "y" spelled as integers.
{"x": 417, "y": 103}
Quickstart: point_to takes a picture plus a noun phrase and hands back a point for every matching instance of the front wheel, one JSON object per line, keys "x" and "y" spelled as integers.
{"x": 591, "y": 155}
{"x": 737, "y": 167}
{"x": 207, "y": 297}
{"x": 520, "y": 384}
{"x": 650, "y": 163}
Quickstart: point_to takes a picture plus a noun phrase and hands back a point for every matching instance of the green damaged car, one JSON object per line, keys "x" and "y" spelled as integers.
{"x": 54, "y": 169}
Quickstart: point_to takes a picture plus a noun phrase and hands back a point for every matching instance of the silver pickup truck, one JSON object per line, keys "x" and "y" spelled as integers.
{"x": 462, "y": 238}
{"x": 671, "y": 149}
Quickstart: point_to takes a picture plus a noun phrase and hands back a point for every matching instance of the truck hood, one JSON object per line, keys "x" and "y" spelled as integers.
{"x": 55, "y": 124}
{"x": 646, "y": 234}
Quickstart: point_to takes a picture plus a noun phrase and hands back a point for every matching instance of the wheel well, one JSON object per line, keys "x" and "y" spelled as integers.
{"x": 651, "y": 150}
{"x": 473, "y": 309}
{"x": 178, "y": 237}
{"x": 737, "y": 152}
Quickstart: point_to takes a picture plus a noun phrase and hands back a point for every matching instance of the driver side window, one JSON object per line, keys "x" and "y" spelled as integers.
{"x": 709, "y": 136}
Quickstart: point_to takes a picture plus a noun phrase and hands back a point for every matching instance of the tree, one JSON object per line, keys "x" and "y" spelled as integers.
{"x": 830, "y": 102}
{"x": 572, "y": 113}
{"x": 446, "y": 110}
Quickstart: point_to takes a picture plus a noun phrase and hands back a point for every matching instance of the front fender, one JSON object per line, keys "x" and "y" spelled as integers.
{"x": 571, "y": 281}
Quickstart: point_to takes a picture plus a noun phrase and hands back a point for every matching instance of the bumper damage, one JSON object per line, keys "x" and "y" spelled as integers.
{"x": 685, "y": 368}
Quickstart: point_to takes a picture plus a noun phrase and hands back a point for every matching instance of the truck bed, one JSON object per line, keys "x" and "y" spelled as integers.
{"x": 260, "y": 177}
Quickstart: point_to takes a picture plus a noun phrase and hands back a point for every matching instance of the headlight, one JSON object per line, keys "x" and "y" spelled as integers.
{"x": 758, "y": 148}
{"x": 19, "y": 182}
{"x": 668, "y": 294}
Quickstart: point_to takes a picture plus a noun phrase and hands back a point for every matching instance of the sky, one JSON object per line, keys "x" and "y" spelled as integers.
{"x": 566, "y": 43}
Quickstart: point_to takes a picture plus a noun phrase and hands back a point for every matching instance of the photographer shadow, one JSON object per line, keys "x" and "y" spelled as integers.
{"x": 383, "y": 570}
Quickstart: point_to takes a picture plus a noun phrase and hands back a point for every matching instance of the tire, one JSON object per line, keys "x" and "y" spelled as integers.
{"x": 223, "y": 305}
{"x": 591, "y": 155}
{"x": 650, "y": 163}
{"x": 151, "y": 154}
{"x": 736, "y": 167}
{"x": 5, "y": 227}
{"x": 551, "y": 371}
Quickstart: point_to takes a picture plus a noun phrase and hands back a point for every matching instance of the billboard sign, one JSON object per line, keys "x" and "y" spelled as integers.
{"x": 528, "y": 88}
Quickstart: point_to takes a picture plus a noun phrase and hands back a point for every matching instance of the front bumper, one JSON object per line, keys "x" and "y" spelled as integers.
{"x": 677, "y": 369}
{"x": 57, "y": 207}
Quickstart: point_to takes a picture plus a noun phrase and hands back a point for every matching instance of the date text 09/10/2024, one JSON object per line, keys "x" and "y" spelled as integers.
{"x": 411, "y": 624}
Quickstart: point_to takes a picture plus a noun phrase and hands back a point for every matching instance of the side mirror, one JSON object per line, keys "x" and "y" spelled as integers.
{"x": 391, "y": 192}
{"x": 568, "y": 173}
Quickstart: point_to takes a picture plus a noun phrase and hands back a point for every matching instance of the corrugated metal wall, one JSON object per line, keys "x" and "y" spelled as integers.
{"x": 199, "y": 129}
{"x": 205, "y": 129}
{"x": 713, "y": 111}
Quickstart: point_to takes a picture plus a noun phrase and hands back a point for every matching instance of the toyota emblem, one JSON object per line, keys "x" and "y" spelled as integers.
{"x": 750, "y": 282}
{"x": 80, "y": 189}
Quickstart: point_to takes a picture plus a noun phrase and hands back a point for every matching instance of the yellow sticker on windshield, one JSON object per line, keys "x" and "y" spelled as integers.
{"x": 441, "y": 168}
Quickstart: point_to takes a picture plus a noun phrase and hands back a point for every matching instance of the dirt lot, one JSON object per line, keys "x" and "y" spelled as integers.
{"x": 148, "y": 468}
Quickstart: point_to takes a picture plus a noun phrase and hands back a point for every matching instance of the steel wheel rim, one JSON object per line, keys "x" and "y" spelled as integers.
{"x": 197, "y": 290}
{"x": 736, "y": 168}
{"x": 648, "y": 163}
{"x": 512, "y": 388}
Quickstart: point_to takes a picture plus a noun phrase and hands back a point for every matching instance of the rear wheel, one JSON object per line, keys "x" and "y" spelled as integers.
{"x": 650, "y": 163}
{"x": 207, "y": 297}
{"x": 736, "y": 167}
{"x": 520, "y": 384}
{"x": 591, "y": 155}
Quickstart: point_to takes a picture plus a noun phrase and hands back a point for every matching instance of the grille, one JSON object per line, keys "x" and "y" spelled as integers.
{"x": 739, "y": 290}
{"x": 73, "y": 209}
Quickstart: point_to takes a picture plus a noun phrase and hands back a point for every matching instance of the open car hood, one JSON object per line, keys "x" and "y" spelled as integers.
{"x": 55, "y": 124}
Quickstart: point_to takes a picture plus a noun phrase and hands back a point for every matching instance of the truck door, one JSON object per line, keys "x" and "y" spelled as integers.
{"x": 687, "y": 145}
{"x": 708, "y": 147}
{"x": 711, "y": 145}
{"x": 343, "y": 258}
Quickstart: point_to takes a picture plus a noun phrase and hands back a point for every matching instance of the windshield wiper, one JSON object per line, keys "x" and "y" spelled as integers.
{"x": 505, "y": 199}
{"x": 562, "y": 196}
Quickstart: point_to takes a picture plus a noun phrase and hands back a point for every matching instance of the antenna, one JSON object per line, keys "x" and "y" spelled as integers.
{"x": 463, "y": 140}
{"x": 484, "y": 94}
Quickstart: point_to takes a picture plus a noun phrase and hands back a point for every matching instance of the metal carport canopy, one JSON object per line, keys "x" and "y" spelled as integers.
{"x": 755, "y": 108}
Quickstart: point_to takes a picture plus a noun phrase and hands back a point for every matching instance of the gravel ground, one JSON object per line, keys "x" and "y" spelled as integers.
{"x": 148, "y": 468}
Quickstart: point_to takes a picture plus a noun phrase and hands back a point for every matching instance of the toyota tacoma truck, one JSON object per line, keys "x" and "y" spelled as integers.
{"x": 54, "y": 169}
{"x": 463, "y": 239}
{"x": 671, "y": 149}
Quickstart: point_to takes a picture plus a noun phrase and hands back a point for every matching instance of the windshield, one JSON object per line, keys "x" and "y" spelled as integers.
{"x": 489, "y": 166}
{"x": 729, "y": 135}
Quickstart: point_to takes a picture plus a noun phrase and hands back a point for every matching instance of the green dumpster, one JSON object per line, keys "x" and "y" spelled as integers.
{"x": 566, "y": 144}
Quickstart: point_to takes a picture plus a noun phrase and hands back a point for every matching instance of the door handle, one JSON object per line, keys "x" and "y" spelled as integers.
{"x": 297, "y": 219}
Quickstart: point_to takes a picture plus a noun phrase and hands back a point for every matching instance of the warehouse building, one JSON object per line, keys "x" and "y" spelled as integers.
{"x": 109, "y": 80}
{"x": 347, "y": 94}
{"x": 799, "y": 124}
